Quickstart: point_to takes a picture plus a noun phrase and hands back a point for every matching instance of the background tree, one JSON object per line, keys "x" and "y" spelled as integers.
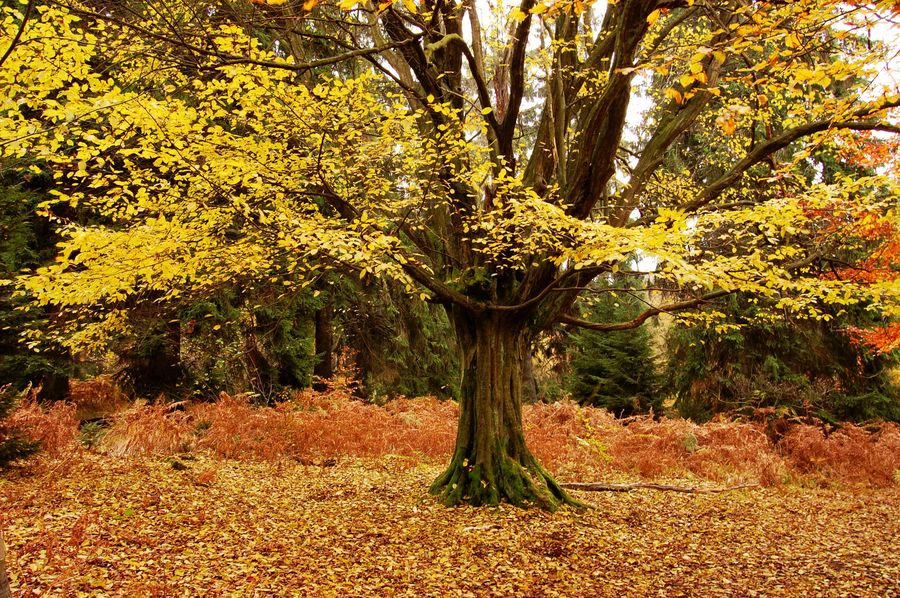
{"x": 796, "y": 367}
{"x": 26, "y": 241}
{"x": 212, "y": 155}
{"x": 614, "y": 370}
{"x": 400, "y": 345}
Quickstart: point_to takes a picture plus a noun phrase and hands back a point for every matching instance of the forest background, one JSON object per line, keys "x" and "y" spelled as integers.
{"x": 644, "y": 238}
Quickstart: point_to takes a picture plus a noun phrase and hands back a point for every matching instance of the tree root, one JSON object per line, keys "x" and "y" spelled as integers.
{"x": 509, "y": 481}
{"x": 601, "y": 487}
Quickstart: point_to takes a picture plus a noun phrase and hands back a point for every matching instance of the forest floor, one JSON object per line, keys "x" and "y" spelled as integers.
{"x": 98, "y": 526}
{"x": 325, "y": 495}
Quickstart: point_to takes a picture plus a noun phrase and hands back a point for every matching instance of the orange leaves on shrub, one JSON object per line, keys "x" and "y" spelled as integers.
{"x": 586, "y": 442}
{"x": 570, "y": 439}
{"x": 317, "y": 427}
{"x": 97, "y": 397}
{"x": 145, "y": 429}
{"x": 55, "y": 427}
{"x": 312, "y": 428}
{"x": 576, "y": 443}
{"x": 881, "y": 339}
{"x": 850, "y": 454}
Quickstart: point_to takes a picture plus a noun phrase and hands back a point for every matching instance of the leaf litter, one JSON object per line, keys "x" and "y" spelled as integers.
{"x": 326, "y": 496}
{"x": 362, "y": 527}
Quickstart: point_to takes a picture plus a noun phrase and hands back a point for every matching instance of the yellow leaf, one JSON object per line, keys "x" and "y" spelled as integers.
{"x": 793, "y": 41}
{"x": 674, "y": 94}
{"x": 727, "y": 124}
{"x": 686, "y": 80}
{"x": 653, "y": 17}
{"x": 803, "y": 74}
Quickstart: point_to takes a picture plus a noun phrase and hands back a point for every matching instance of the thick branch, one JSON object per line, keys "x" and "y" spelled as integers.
{"x": 764, "y": 150}
{"x": 664, "y": 136}
{"x": 444, "y": 292}
{"x": 516, "y": 65}
{"x": 484, "y": 95}
{"x": 601, "y": 125}
{"x": 644, "y": 316}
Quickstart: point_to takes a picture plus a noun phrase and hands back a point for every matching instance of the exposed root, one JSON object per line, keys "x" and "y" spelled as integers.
{"x": 508, "y": 481}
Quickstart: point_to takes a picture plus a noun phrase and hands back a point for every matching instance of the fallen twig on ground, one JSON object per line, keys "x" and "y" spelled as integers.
{"x": 601, "y": 487}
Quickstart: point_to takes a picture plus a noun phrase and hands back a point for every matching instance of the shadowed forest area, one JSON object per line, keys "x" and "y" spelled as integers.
{"x": 449, "y": 297}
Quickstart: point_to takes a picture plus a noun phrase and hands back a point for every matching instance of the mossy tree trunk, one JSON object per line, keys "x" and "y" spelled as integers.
{"x": 491, "y": 462}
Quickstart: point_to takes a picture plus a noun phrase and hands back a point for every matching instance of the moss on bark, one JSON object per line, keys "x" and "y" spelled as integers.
{"x": 491, "y": 462}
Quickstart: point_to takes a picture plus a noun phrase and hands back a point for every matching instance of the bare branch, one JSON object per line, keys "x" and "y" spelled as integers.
{"x": 644, "y": 316}
{"x": 602, "y": 487}
{"x": 230, "y": 59}
{"x": 18, "y": 36}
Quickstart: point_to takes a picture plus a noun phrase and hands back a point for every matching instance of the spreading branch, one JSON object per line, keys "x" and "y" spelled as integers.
{"x": 227, "y": 58}
{"x": 764, "y": 150}
{"x": 644, "y": 316}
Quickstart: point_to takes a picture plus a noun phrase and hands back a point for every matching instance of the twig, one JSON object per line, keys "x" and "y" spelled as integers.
{"x": 601, "y": 487}
{"x": 18, "y": 36}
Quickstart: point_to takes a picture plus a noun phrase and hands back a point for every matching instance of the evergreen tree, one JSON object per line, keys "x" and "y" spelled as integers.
{"x": 614, "y": 370}
{"x": 802, "y": 366}
{"x": 26, "y": 241}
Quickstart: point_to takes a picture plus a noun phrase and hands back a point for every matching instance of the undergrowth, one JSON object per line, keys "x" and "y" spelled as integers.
{"x": 577, "y": 443}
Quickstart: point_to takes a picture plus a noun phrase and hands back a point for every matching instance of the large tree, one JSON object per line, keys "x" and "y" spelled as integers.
{"x": 474, "y": 153}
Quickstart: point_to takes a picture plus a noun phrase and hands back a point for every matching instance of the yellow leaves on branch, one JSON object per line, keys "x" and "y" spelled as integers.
{"x": 206, "y": 188}
{"x": 208, "y": 178}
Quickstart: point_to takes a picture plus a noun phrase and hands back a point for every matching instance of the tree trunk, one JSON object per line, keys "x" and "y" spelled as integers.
{"x": 154, "y": 367}
{"x": 531, "y": 390}
{"x": 5, "y": 591}
{"x": 324, "y": 368}
{"x": 491, "y": 462}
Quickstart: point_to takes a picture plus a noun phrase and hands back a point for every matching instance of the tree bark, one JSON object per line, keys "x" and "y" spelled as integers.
{"x": 5, "y": 591}
{"x": 324, "y": 368}
{"x": 491, "y": 462}
{"x": 531, "y": 390}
